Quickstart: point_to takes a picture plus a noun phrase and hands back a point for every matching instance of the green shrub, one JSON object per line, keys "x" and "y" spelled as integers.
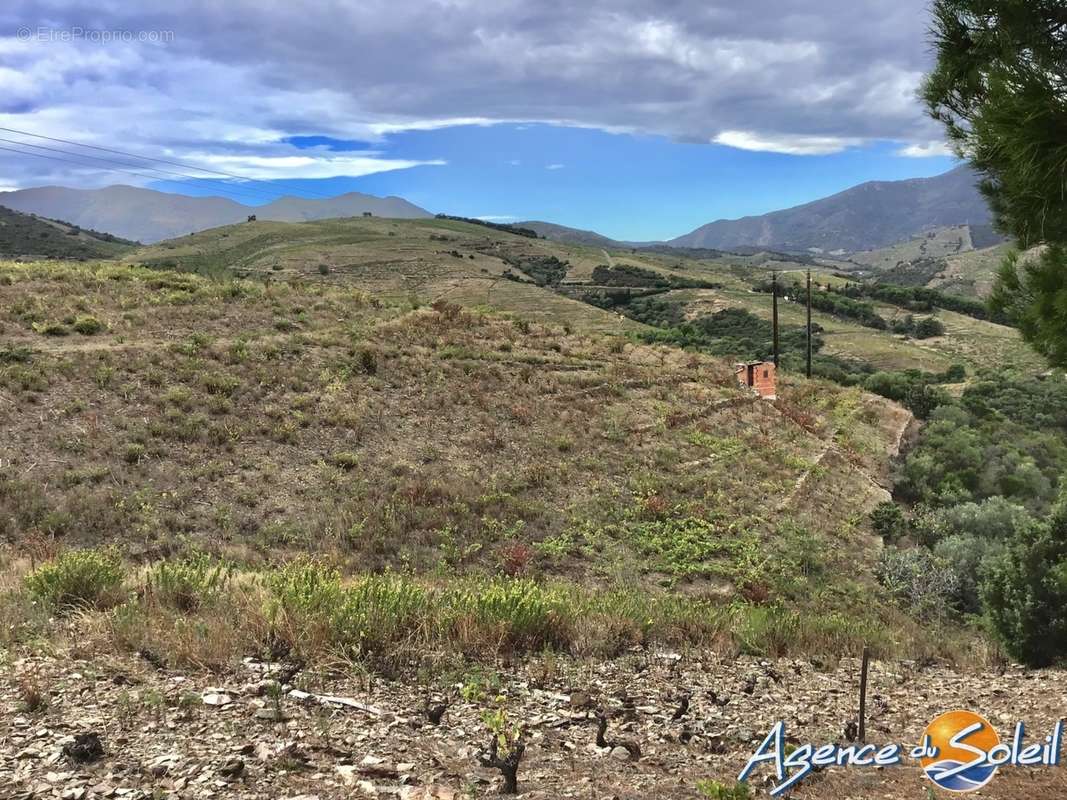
{"x": 88, "y": 325}
{"x": 52, "y": 329}
{"x": 345, "y": 460}
{"x": 1025, "y": 593}
{"x": 888, "y": 521}
{"x": 188, "y": 583}
{"x": 517, "y": 613}
{"x": 366, "y": 361}
{"x": 219, "y": 383}
{"x": 768, "y": 631}
{"x": 380, "y": 610}
{"x": 928, "y": 327}
{"x": 364, "y": 617}
{"x": 78, "y": 579}
{"x": 715, "y": 790}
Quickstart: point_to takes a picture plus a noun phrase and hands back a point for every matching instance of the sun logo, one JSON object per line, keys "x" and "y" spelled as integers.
{"x": 957, "y": 751}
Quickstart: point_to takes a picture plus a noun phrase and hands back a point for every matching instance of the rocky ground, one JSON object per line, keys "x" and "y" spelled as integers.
{"x": 119, "y": 727}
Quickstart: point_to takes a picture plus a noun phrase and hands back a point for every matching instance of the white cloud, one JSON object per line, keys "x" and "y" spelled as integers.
{"x": 514, "y": 162}
{"x": 554, "y": 166}
{"x": 783, "y": 76}
{"x": 925, "y": 150}
{"x": 787, "y": 144}
{"x": 496, "y": 218}
{"x": 308, "y": 164}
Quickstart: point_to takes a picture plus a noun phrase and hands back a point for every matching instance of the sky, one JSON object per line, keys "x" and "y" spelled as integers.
{"x": 641, "y": 120}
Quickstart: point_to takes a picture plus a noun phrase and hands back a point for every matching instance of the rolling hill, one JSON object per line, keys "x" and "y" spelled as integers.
{"x": 865, "y": 217}
{"x": 26, "y": 235}
{"x": 422, "y": 261}
{"x": 562, "y": 233}
{"x": 147, "y": 215}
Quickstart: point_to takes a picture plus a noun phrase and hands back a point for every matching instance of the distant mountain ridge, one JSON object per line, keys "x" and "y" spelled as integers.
{"x": 868, "y": 216}
{"x": 147, "y": 215}
{"x": 562, "y": 233}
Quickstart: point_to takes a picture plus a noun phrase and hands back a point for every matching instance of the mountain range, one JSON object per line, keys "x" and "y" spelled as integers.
{"x": 869, "y": 216}
{"x": 865, "y": 217}
{"x": 148, "y": 216}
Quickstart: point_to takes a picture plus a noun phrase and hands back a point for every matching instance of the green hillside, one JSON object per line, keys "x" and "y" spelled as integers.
{"x": 37, "y": 237}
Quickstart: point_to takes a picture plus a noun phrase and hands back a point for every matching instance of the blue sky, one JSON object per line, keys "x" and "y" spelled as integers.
{"x": 636, "y": 187}
{"x": 658, "y": 117}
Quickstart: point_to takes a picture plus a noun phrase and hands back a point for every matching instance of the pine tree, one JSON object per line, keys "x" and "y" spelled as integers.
{"x": 1000, "y": 89}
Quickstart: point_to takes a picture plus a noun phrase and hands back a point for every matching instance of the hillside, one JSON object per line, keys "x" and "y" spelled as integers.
{"x": 262, "y": 420}
{"x": 562, "y": 233}
{"x": 36, "y": 237}
{"x": 146, "y": 215}
{"x": 425, "y": 472}
{"x": 865, "y": 217}
{"x": 552, "y": 282}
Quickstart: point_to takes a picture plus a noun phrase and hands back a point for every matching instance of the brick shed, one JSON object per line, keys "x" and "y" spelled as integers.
{"x": 760, "y": 376}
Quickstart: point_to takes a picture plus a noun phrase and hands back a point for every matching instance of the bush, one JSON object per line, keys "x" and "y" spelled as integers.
{"x": 189, "y": 583}
{"x": 928, "y": 327}
{"x": 922, "y": 583}
{"x": 345, "y": 460}
{"x": 88, "y": 325}
{"x": 367, "y": 361}
{"x": 969, "y": 558}
{"x": 319, "y": 612}
{"x": 514, "y": 614}
{"x": 1025, "y": 593}
{"x": 889, "y": 522}
{"x": 78, "y": 579}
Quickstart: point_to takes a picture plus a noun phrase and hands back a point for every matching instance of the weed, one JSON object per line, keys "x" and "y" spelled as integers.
{"x": 715, "y": 790}
{"x": 88, "y": 325}
{"x": 345, "y": 460}
{"x": 189, "y": 583}
{"x": 78, "y": 579}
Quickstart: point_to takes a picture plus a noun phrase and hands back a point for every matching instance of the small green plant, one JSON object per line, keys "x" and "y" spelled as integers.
{"x": 78, "y": 579}
{"x": 716, "y": 790}
{"x": 366, "y": 361}
{"x": 189, "y": 583}
{"x": 345, "y": 460}
{"x": 219, "y": 383}
{"x": 52, "y": 329}
{"x": 87, "y": 325}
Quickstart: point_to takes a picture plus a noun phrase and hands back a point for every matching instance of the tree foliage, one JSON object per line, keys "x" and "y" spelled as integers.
{"x": 1025, "y": 593}
{"x": 1000, "y": 89}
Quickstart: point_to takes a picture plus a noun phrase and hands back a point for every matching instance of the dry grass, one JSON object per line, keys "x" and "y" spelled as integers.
{"x": 438, "y": 440}
{"x": 307, "y": 610}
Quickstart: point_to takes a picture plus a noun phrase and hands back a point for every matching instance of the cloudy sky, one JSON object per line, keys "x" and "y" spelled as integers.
{"x": 639, "y": 119}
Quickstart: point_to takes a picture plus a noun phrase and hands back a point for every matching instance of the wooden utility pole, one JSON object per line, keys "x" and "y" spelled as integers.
{"x": 865, "y": 659}
{"x": 774, "y": 314}
{"x": 809, "y": 323}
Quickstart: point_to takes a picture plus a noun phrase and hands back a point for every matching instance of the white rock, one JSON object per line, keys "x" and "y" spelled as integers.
{"x": 216, "y": 698}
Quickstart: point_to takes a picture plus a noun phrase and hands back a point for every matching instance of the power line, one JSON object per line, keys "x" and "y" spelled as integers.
{"x": 250, "y": 192}
{"x": 158, "y": 160}
{"x": 102, "y": 169}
